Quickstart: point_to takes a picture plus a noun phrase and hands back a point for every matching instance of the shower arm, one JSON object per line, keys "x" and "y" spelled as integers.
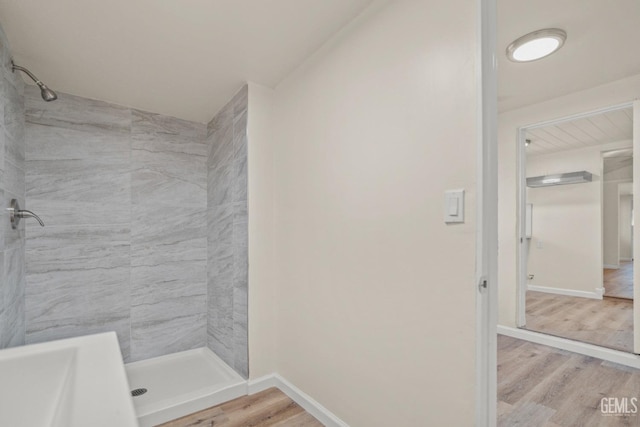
{"x": 15, "y": 67}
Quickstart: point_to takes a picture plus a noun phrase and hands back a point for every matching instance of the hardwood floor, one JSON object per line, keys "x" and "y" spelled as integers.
{"x": 607, "y": 322}
{"x": 540, "y": 386}
{"x": 618, "y": 283}
{"x": 269, "y": 408}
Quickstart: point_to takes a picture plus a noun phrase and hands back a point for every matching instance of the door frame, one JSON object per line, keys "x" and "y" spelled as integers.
{"x": 522, "y": 243}
{"x": 486, "y": 283}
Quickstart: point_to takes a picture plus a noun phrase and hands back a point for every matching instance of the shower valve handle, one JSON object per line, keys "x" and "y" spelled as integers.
{"x": 15, "y": 214}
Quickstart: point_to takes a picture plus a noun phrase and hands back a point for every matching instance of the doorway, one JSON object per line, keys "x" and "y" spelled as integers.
{"x": 576, "y": 228}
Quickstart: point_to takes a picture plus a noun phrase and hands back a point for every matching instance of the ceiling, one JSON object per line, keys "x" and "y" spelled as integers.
{"x": 180, "y": 58}
{"x": 187, "y": 58}
{"x": 599, "y": 129}
{"x": 602, "y": 46}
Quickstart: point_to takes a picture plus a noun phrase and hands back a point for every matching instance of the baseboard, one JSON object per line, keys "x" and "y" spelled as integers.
{"x": 596, "y": 294}
{"x": 310, "y": 405}
{"x": 611, "y": 266}
{"x": 610, "y": 355}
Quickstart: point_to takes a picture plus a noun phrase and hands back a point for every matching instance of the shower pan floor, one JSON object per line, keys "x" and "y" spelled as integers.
{"x": 181, "y": 383}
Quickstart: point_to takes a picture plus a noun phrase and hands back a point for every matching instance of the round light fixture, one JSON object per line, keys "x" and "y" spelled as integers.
{"x": 536, "y": 45}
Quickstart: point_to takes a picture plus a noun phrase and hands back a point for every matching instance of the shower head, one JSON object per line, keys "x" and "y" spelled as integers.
{"x": 47, "y": 94}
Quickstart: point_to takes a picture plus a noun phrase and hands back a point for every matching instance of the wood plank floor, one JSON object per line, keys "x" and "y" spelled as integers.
{"x": 607, "y": 322}
{"x": 618, "y": 283}
{"x": 540, "y": 386}
{"x": 269, "y": 408}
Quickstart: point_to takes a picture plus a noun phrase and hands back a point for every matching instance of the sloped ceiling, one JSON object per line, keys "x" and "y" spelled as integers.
{"x": 180, "y": 58}
{"x": 602, "y": 46}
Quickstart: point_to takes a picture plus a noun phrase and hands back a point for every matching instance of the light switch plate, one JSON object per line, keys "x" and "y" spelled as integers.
{"x": 454, "y": 206}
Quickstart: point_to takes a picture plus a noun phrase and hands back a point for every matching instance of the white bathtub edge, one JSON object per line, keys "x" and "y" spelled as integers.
{"x": 322, "y": 414}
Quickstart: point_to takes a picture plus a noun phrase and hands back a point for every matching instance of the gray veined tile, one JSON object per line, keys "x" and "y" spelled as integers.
{"x": 224, "y": 117}
{"x": 156, "y": 188}
{"x": 78, "y": 293}
{"x": 13, "y": 111}
{"x": 73, "y": 112}
{"x": 3, "y": 284}
{"x": 4, "y": 217}
{"x": 240, "y": 334}
{"x": 47, "y": 330}
{"x": 240, "y": 136}
{"x": 240, "y": 102}
{"x": 240, "y": 180}
{"x": 168, "y": 235}
{"x": 14, "y": 179}
{"x": 14, "y": 150}
{"x": 14, "y": 301}
{"x": 79, "y": 213}
{"x": 162, "y": 291}
{"x": 3, "y": 139}
{"x": 157, "y": 337}
{"x": 174, "y": 165}
{"x": 220, "y": 224}
{"x": 55, "y": 249}
{"x": 12, "y": 238}
{"x": 220, "y": 262}
{"x": 220, "y": 143}
{"x": 99, "y": 179}
{"x": 157, "y": 126}
{"x": 220, "y": 185}
{"x": 56, "y": 143}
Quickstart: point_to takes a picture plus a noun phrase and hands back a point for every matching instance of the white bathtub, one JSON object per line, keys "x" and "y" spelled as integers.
{"x": 180, "y": 384}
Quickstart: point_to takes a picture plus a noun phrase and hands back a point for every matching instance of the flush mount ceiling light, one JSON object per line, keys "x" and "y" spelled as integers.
{"x": 536, "y": 45}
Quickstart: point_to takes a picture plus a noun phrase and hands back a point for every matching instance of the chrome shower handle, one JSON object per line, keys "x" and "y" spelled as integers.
{"x": 15, "y": 214}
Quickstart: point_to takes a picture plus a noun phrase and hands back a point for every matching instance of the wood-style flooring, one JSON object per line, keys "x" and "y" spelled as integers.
{"x": 269, "y": 408}
{"x": 540, "y": 386}
{"x": 607, "y": 322}
{"x": 618, "y": 283}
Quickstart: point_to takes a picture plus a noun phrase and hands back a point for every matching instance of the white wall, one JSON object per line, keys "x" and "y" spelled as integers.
{"x": 626, "y": 250}
{"x": 611, "y": 228}
{"x": 375, "y": 294}
{"x": 618, "y": 92}
{"x": 262, "y": 289}
{"x": 565, "y": 250}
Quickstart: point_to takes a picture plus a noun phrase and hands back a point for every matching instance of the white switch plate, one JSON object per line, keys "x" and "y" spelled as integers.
{"x": 454, "y": 206}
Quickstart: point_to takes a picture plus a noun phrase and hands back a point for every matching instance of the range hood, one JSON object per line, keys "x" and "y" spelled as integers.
{"x": 559, "y": 179}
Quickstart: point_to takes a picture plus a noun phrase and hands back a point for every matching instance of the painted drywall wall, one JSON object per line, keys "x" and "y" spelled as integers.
{"x": 565, "y": 250}
{"x": 626, "y": 239}
{"x": 610, "y": 224}
{"x": 12, "y": 175}
{"x": 262, "y": 291}
{"x": 618, "y": 92}
{"x": 376, "y": 296}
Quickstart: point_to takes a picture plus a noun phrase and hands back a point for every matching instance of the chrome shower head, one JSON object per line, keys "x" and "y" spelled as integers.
{"x": 46, "y": 93}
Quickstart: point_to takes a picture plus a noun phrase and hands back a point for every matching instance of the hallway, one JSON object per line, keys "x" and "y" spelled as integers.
{"x": 540, "y": 386}
{"x": 618, "y": 283}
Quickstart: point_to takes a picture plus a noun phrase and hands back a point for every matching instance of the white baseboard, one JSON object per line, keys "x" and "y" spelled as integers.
{"x": 615, "y": 356}
{"x": 596, "y": 294}
{"x": 310, "y": 405}
{"x": 611, "y": 266}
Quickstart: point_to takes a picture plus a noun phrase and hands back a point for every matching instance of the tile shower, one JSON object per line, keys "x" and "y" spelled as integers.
{"x": 146, "y": 225}
{"x": 12, "y": 186}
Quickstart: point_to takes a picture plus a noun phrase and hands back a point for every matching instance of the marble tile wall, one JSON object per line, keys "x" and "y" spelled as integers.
{"x": 12, "y": 186}
{"x": 227, "y": 234}
{"x": 123, "y": 196}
